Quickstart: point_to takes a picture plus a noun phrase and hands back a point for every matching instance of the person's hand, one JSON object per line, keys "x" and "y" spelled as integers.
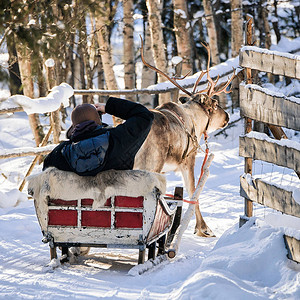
{"x": 100, "y": 107}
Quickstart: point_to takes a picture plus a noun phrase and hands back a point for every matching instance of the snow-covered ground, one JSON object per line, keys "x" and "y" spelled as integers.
{"x": 240, "y": 263}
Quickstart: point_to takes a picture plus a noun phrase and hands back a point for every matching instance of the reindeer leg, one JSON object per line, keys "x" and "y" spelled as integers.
{"x": 201, "y": 228}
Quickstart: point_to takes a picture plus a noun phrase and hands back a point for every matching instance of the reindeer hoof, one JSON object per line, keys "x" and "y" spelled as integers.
{"x": 204, "y": 232}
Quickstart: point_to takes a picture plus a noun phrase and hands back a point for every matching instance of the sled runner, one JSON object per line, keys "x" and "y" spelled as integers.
{"x": 115, "y": 209}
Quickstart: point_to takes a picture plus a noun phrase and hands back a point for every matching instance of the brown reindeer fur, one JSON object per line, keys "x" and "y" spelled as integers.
{"x": 167, "y": 141}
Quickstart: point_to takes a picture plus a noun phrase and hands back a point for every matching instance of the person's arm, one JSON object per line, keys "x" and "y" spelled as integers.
{"x": 121, "y": 108}
{"x": 138, "y": 116}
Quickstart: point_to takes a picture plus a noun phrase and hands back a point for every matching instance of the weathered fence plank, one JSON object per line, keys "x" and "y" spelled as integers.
{"x": 266, "y": 106}
{"x": 270, "y": 151}
{"x": 270, "y": 195}
{"x": 293, "y": 247}
{"x": 274, "y": 62}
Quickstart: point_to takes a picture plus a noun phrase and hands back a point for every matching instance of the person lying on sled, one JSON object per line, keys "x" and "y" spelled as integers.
{"x": 93, "y": 147}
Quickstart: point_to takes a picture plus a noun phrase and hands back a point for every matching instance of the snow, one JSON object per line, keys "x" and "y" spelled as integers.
{"x": 50, "y": 63}
{"x": 287, "y": 45}
{"x": 296, "y": 195}
{"x": 282, "y": 142}
{"x": 176, "y": 60}
{"x": 271, "y": 92}
{"x": 266, "y": 51}
{"x": 11, "y": 198}
{"x": 240, "y": 263}
{"x": 137, "y": 16}
{"x": 223, "y": 68}
{"x": 199, "y": 14}
{"x": 58, "y": 95}
{"x": 181, "y": 13}
{"x": 20, "y": 151}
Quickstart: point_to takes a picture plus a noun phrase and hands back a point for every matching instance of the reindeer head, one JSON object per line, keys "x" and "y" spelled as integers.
{"x": 217, "y": 116}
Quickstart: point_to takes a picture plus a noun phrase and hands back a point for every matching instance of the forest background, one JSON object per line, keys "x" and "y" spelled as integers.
{"x": 78, "y": 36}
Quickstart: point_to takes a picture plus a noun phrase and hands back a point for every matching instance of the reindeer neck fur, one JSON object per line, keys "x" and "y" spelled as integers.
{"x": 198, "y": 117}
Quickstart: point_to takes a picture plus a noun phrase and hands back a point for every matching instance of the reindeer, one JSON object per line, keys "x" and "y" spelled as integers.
{"x": 173, "y": 141}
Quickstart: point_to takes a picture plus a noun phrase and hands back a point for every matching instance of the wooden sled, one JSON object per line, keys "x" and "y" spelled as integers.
{"x": 140, "y": 222}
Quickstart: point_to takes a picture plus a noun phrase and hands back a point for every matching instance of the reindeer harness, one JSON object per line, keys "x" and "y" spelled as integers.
{"x": 191, "y": 135}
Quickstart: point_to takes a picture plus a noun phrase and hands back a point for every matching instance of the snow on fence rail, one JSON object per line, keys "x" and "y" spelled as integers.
{"x": 264, "y": 105}
{"x": 26, "y": 151}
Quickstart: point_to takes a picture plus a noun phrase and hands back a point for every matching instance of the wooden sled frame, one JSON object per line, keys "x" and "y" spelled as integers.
{"x": 114, "y": 230}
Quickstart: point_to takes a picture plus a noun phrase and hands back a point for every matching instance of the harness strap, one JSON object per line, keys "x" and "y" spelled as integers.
{"x": 191, "y": 136}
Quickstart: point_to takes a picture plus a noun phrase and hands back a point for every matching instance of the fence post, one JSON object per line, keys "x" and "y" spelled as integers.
{"x": 54, "y": 116}
{"x": 248, "y": 122}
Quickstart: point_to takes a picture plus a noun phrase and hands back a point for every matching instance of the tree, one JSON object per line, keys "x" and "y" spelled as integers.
{"x": 16, "y": 19}
{"x": 263, "y": 25}
{"x": 182, "y": 32}
{"x": 102, "y": 18}
{"x": 102, "y": 14}
{"x": 148, "y": 75}
{"x": 158, "y": 46}
{"x": 128, "y": 45}
{"x": 24, "y": 60}
{"x": 236, "y": 27}
{"x": 211, "y": 30}
{"x": 236, "y": 43}
{"x": 15, "y": 84}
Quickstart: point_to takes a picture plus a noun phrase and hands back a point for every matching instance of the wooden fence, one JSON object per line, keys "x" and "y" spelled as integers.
{"x": 274, "y": 109}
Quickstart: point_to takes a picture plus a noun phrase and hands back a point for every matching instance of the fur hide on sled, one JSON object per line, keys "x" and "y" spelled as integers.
{"x": 55, "y": 184}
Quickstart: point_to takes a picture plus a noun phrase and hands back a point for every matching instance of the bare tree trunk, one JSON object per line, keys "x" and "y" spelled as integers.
{"x": 212, "y": 33}
{"x": 236, "y": 27}
{"x": 105, "y": 49}
{"x": 154, "y": 17}
{"x": 15, "y": 83}
{"x": 25, "y": 71}
{"x": 236, "y": 43}
{"x": 263, "y": 25}
{"x": 182, "y": 32}
{"x": 84, "y": 64}
{"x": 275, "y": 22}
{"x": 267, "y": 28}
{"x": 86, "y": 57}
{"x": 100, "y": 78}
{"x": 102, "y": 19}
{"x": 128, "y": 45}
{"x": 148, "y": 75}
{"x": 54, "y": 116}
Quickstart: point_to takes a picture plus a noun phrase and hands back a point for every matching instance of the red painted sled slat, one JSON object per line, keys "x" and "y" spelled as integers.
{"x": 96, "y": 219}
{"x": 122, "y": 222}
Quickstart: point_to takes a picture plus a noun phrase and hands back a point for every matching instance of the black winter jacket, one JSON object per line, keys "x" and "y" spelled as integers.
{"x": 124, "y": 141}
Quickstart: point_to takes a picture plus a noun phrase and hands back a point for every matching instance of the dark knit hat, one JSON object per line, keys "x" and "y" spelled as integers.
{"x": 85, "y": 112}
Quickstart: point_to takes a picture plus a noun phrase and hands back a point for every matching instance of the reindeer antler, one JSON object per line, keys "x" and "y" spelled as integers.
{"x": 223, "y": 89}
{"x": 212, "y": 84}
{"x": 161, "y": 72}
{"x": 209, "y": 90}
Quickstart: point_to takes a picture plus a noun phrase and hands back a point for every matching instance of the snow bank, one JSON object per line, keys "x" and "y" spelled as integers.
{"x": 11, "y": 198}
{"x": 58, "y": 95}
